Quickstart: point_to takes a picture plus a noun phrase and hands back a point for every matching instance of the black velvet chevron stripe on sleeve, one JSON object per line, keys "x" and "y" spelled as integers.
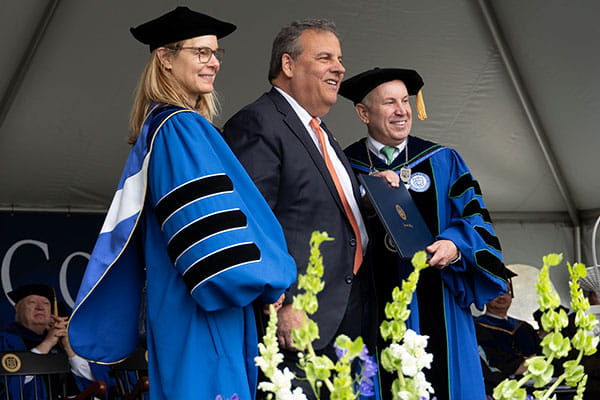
{"x": 473, "y": 208}
{"x": 488, "y": 238}
{"x": 488, "y": 261}
{"x": 203, "y": 228}
{"x": 189, "y": 192}
{"x": 463, "y": 184}
{"x": 220, "y": 261}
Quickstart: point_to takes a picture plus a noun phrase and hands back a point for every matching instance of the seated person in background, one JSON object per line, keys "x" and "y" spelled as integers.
{"x": 38, "y": 328}
{"x": 507, "y": 342}
{"x": 492, "y": 376}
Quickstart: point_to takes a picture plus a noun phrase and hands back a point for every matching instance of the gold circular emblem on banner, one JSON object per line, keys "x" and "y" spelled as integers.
{"x": 389, "y": 243}
{"x": 11, "y": 362}
{"x": 400, "y": 212}
{"x": 146, "y": 355}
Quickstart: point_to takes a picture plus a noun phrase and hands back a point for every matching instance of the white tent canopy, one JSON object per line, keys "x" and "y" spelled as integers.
{"x": 511, "y": 84}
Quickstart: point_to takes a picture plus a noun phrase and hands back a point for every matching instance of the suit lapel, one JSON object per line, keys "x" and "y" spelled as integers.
{"x": 342, "y": 157}
{"x": 293, "y": 122}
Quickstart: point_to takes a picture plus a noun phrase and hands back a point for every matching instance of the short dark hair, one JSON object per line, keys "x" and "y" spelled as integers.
{"x": 287, "y": 41}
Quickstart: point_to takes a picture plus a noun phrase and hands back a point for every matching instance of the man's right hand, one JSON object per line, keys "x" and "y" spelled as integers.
{"x": 56, "y": 331}
{"x": 391, "y": 177}
{"x": 288, "y": 319}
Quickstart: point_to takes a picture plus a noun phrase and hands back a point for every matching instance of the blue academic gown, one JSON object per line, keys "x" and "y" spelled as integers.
{"x": 207, "y": 245}
{"x": 450, "y": 201}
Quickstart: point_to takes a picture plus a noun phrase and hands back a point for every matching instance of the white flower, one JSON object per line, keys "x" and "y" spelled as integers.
{"x": 297, "y": 394}
{"x": 260, "y": 362}
{"x": 395, "y": 349}
{"x": 412, "y": 353}
{"x": 409, "y": 364}
{"x": 423, "y": 387}
{"x": 282, "y": 379}
{"x": 283, "y": 393}
{"x": 281, "y": 384}
{"x": 424, "y": 360}
{"x": 414, "y": 342}
{"x": 266, "y": 386}
{"x": 269, "y": 358}
{"x": 404, "y": 395}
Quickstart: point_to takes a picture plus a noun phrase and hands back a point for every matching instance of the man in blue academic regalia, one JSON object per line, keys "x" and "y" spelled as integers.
{"x": 466, "y": 255}
{"x": 39, "y": 329}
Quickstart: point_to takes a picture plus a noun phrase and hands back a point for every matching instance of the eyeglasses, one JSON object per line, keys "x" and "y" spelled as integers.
{"x": 204, "y": 54}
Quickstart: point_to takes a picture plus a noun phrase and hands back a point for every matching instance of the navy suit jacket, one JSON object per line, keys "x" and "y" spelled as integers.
{"x": 272, "y": 144}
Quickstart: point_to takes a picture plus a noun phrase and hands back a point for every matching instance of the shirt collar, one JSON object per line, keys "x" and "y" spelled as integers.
{"x": 376, "y": 147}
{"x": 496, "y": 316}
{"x": 304, "y": 116}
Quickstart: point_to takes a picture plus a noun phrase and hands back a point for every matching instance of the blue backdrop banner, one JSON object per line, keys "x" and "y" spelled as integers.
{"x": 47, "y": 248}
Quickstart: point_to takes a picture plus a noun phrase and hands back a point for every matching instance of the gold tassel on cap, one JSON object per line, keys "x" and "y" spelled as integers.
{"x": 421, "y": 113}
{"x": 54, "y": 304}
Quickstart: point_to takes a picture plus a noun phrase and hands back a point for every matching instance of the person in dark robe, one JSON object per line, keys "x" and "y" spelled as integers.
{"x": 465, "y": 256}
{"x": 506, "y": 341}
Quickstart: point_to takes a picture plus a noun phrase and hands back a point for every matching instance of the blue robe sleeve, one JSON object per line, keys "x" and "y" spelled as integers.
{"x": 9, "y": 341}
{"x": 221, "y": 235}
{"x": 478, "y": 277}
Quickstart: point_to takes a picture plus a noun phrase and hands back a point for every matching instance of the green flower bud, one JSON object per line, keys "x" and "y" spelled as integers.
{"x": 509, "y": 390}
{"x": 552, "y": 259}
{"x": 573, "y": 372}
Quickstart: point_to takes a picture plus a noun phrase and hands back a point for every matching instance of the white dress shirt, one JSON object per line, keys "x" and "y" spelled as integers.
{"x": 375, "y": 148}
{"x": 341, "y": 172}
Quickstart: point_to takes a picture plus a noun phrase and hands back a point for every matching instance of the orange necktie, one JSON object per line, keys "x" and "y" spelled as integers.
{"x": 358, "y": 256}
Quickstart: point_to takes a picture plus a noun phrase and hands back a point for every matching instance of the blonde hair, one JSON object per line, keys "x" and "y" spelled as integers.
{"x": 157, "y": 86}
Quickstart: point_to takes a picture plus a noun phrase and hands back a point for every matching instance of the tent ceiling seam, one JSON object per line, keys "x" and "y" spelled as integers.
{"x": 18, "y": 76}
{"x": 526, "y": 103}
{"x": 586, "y": 216}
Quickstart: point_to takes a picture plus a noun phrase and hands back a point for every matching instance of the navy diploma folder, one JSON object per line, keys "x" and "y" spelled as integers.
{"x": 399, "y": 215}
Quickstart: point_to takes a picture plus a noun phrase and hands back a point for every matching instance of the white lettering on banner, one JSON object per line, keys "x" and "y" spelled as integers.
{"x": 62, "y": 277}
{"x": 7, "y": 260}
{"x": 6, "y": 283}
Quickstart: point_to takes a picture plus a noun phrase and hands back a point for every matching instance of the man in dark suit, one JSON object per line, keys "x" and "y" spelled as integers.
{"x": 279, "y": 146}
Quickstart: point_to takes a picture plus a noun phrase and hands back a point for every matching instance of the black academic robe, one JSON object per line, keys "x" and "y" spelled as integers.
{"x": 450, "y": 201}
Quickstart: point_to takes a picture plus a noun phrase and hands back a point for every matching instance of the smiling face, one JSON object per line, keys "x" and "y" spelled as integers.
{"x": 33, "y": 312}
{"x": 193, "y": 77}
{"x": 314, "y": 76}
{"x": 386, "y": 112}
